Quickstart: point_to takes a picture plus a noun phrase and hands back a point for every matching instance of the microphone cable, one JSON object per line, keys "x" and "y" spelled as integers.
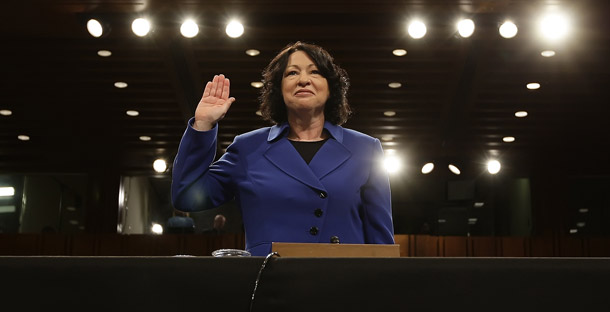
{"x": 258, "y": 277}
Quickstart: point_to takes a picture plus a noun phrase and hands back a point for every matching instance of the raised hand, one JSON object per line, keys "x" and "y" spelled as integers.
{"x": 214, "y": 103}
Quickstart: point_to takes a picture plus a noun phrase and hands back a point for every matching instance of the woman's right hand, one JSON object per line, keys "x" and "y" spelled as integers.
{"x": 214, "y": 103}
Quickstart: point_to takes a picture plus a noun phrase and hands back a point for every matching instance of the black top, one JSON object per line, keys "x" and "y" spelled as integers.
{"x": 308, "y": 149}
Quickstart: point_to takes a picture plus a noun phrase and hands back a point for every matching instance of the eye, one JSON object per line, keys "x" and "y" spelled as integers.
{"x": 291, "y": 73}
{"x": 316, "y": 72}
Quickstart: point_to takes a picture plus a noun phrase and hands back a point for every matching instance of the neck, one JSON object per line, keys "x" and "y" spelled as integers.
{"x": 311, "y": 129}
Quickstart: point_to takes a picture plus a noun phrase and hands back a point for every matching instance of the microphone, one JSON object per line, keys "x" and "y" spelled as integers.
{"x": 334, "y": 239}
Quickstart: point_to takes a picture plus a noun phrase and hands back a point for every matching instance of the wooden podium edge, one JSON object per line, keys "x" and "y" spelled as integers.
{"x": 321, "y": 250}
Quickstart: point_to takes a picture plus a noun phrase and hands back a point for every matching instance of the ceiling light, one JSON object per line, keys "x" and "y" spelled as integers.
{"x": 454, "y": 169}
{"x": 399, "y": 52}
{"x": 145, "y": 138}
{"x": 104, "y": 53}
{"x": 389, "y": 113}
{"x": 189, "y": 29}
{"x": 95, "y": 29}
{"x": 533, "y": 86}
{"x": 493, "y": 166}
{"x": 583, "y": 210}
{"x": 508, "y": 29}
{"x": 253, "y": 52}
{"x": 23, "y": 137}
{"x": 258, "y": 112}
{"x": 580, "y": 224}
{"x": 157, "y": 228}
{"x": 478, "y": 204}
{"x": 7, "y": 191}
{"x": 394, "y": 85}
{"x": 132, "y": 113}
{"x": 521, "y": 114}
{"x": 391, "y": 163}
{"x": 70, "y": 208}
{"x": 120, "y": 84}
{"x": 427, "y": 168}
{"x": 234, "y": 29}
{"x": 417, "y": 29}
{"x": 465, "y": 28}
{"x": 387, "y": 138}
{"x": 547, "y": 53}
{"x": 160, "y": 165}
{"x": 573, "y": 231}
{"x": 140, "y": 27}
{"x": 73, "y": 222}
{"x": 256, "y": 84}
{"x": 554, "y": 26}
{"x": 6, "y": 112}
{"x": 508, "y": 139}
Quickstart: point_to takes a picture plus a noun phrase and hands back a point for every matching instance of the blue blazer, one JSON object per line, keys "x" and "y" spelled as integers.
{"x": 344, "y": 191}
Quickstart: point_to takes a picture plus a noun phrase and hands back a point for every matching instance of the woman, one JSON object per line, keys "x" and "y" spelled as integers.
{"x": 305, "y": 179}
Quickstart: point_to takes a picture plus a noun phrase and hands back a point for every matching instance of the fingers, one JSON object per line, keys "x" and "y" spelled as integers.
{"x": 225, "y": 89}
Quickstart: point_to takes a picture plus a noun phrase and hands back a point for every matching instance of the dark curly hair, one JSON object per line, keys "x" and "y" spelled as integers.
{"x": 273, "y": 108}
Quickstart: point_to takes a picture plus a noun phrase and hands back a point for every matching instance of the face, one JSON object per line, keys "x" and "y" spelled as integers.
{"x": 303, "y": 87}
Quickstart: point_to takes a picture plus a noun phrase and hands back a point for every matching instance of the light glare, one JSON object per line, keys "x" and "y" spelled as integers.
{"x": 547, "y": 53}
{"x": 160, "y": 165}
{"x": 454, "y": 169}
{"x": 189, "y": 29}
{"x": 7, "y": 191}
{"x": 493, "y": 166}
{"x": 417, "y": 29}
{"x": 554, "y": 27}
{"x": 399, "y": 52}
{"x": 140, "y": 27}
{"x": 234, "y": 29}
{"x": 157, "y": 228}
{"x": 521, "y": 114}
{"x": 533, "y": 86}
{"x": 95, "y": 28}
{"x": 427, "y": 168}
{"x": 465, "y": 28}
{"x": 508, "y": 29}
{"x": 391, "y": 163}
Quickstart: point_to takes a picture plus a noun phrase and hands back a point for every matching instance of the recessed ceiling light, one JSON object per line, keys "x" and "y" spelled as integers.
{"x": 253, "y": 52}
{"x": 508, "y": 29}
{"x": 104, "y": 53}
{"x": 145, "y": 138}
{"x": 6, "y": 112}
{"x": 70, "y": 208}
{"x": 478, "y": 204}
{"x": 580, "y": 224}
{"x": 427, "y": 168}
{"x": 573, "y": 231}
{"x": 521, "y": 114}
{"x": 533, "y": 86}
{"x": 387, "y": 138}
{"x": 465, "y": 28}
{"x": 583, "y": 210}
{"x": 508, "y": 139}
{"x": 159, "y": 165}
{"x": 120, "y": 84}
{"x": 416, "y": 29}
{"x": 389, "y": 113}
{"x": 454, "y": 169}
{"x": 394, "y": 85}
{"x": 256, "y": 84}
{"x": 95, "y": 29}
{"x": 234, "y": 29}
{"x": 132, "y": 113}
{"x": 23, "y": 137}
{"x": 140, "y": 27}
{"x": 189, "y": 29}
{"x": 547, "y": 53}
{"x": 399, "y": 52}
{"x": 73, "y": 222}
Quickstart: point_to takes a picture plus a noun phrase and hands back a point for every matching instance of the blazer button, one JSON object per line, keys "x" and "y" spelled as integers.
{"x": 313, "y": 230}
{"x": 323, "y": 195}
{"x": 318, "y": 212}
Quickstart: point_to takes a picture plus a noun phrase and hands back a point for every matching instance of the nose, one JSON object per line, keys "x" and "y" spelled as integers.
{"x": 304, "y": 80}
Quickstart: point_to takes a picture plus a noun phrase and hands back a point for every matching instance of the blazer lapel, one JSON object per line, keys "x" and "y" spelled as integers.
{"x": 330, "y": 156}
{"x": 284, "y": 156}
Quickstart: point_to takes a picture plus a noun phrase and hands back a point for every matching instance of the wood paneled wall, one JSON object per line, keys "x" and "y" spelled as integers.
{"x": 203, "y": 245}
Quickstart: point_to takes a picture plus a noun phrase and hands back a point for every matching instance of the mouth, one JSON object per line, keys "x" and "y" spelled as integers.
{"x": 303, "y": 92}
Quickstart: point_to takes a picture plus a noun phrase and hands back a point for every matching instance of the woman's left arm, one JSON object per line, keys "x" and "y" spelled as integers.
{"x": 377, "y": 202}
